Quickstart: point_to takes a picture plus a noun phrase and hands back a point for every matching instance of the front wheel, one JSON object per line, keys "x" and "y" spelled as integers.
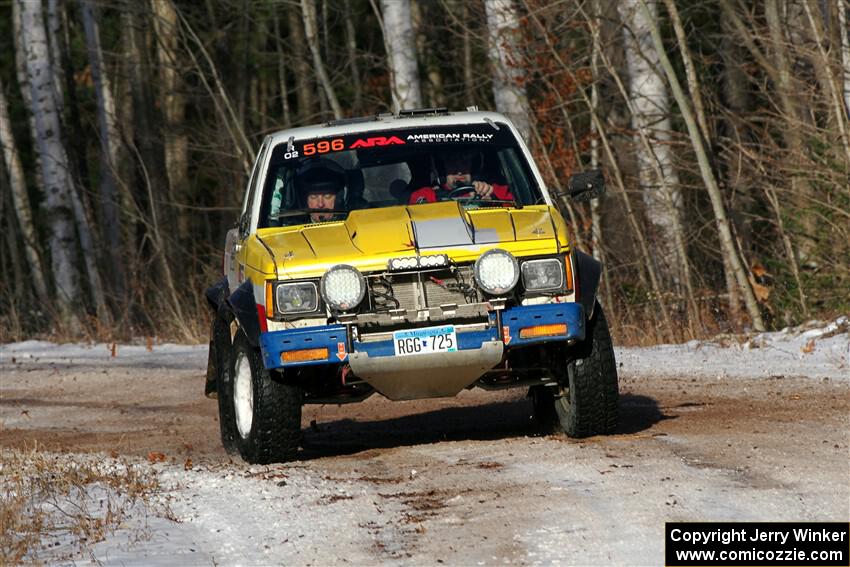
{"x": 586, "y": 402}
{"x": 263, "y": 413}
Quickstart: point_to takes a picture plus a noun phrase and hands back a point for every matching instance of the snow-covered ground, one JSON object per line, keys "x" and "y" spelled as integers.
{"x": 509, "y": 499}
{"x": 815, "y": 350}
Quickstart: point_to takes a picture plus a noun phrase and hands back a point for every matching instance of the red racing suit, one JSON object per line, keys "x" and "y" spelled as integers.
{"x": 429, "y": 194}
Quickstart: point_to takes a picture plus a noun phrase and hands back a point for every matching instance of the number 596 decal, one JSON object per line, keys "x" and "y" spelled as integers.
{"x": 323, "y": 147}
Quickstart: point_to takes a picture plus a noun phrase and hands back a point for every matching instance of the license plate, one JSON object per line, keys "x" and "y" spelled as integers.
{"x": 425, "y": 341}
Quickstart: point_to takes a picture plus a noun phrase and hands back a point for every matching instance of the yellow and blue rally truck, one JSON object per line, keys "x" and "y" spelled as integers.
{"x": 414, "y": 255}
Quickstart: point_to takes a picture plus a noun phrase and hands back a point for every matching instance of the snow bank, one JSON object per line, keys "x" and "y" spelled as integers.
{"x": 814, "y": 350}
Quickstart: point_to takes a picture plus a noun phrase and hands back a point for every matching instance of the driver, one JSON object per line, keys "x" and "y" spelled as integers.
{"x": 320, "y": 182}
{"x": 458, "y": 168}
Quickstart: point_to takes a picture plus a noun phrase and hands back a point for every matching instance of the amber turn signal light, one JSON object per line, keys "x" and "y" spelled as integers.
{"x": 538, "y": 331}
{"x": 304, "y": 355}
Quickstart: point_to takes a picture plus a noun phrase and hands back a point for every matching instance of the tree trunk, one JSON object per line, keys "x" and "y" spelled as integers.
{"x": 503, "y": 40}
{"x": 401, "y": 51}
{"x": 353, "y": 65}
{"x": 596, "y": 234}
{"x": 54, "y": 162}
{"x": 173, "y": 108}
{"x": 303, "y": 74}
{"x": 21, "y": 201}
{"x": 726, "y": 240}
{"x": 650, "y": 109}
{"x": 844, "y": 30}
{"x": 54, "y": 26}
{"x": 308, "y": 12}
{"x": 434, "y": 84}
{"x": 281, "y": 72}
{"x": 468, "y": 78}
{"x": 109, "y": 146}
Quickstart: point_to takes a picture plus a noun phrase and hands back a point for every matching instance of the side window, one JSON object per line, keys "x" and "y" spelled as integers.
{"x": 256, "y": 174}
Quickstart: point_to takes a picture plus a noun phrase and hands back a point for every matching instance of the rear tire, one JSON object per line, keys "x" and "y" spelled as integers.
{"x": 259, "y": 412}
{"x": 588, "y": 399}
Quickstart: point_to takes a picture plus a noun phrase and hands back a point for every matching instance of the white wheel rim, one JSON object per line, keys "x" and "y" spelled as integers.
{"x": 243, "y": 396}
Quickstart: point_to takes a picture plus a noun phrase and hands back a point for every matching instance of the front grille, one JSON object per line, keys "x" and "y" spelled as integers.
{"x": 421, "y": 290}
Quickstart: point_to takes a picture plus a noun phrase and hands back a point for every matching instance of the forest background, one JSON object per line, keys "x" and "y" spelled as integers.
{"x": 128, "y": 130}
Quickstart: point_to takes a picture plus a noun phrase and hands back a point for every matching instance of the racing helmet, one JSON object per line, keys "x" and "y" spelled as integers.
{"x": 319, "y": 175}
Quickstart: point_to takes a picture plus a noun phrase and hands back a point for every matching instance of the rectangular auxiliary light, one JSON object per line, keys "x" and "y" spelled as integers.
{"x": 538, "y": 331}
{"x": 304, "y": 355}
{"x": 416, "y": 262}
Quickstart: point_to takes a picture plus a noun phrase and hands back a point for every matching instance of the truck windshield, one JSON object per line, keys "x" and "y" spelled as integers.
{"x": 323, "y": 179}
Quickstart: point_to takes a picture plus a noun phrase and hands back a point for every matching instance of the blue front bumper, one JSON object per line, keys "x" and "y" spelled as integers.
{"x": 335, "y": 340}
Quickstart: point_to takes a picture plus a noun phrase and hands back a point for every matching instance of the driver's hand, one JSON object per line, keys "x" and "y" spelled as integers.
{"x": 483, "y": 189}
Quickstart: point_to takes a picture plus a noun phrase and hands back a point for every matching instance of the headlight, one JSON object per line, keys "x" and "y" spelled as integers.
{"x": 343, "y": 287}
{"x": 496, "y": 271}
{"x": 543, "y": 275}
{"x": 292, "y": 298}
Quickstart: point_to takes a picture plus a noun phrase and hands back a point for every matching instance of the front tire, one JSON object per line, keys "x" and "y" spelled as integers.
{"x": 587, "y": 400}
{"x": 259, "y": 412}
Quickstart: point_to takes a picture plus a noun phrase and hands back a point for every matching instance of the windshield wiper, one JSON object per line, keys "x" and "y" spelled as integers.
{"x": 301, "y": 212}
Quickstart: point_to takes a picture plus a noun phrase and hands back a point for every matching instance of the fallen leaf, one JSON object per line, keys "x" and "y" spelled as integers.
{"x": 808, "y": 347}
{"x": 156, "y": 457}
{"x": 187, "y": 466}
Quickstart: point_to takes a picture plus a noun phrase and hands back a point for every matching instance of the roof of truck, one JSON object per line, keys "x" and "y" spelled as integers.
{"x": 405, "y": 119}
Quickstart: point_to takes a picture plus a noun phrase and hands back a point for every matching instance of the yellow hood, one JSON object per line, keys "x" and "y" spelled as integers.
{"x": 368, "y": 238}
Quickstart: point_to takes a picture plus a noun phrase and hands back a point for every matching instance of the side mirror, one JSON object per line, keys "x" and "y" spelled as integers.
{"x": 586, "y": 185}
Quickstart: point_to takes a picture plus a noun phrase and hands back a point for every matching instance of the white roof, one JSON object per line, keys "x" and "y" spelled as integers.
{"x": 387, "y": 122}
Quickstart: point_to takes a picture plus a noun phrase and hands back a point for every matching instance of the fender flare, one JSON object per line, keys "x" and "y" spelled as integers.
{"x": 240, "y": 305}
{"x": 588, "y": 273}
{"x": 244, "y": 307}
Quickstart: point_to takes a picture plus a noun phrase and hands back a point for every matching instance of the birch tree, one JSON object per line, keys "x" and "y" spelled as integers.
{"x": 55, "y": 169}
{"x": 650, "y": 108}
{"x": 21, "y": 201}
{"x": 401, "y": 49}
{"x": 508, "y": 71}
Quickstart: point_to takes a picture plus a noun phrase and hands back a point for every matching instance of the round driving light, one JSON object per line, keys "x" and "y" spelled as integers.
{"x": 343, "y": 287}
{"x": 496, "y": 271}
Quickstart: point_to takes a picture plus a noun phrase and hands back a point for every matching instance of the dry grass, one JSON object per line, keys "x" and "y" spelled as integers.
{"x": 55, "y": 507}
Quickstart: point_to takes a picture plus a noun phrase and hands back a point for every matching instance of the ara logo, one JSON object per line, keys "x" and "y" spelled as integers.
{"x": 376, "y": 141}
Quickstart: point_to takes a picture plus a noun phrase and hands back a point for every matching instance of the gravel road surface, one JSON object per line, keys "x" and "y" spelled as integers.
{"x": 466, "y": 480}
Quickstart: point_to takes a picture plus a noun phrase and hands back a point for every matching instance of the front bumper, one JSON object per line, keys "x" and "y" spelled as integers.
{"x": 339, "y": 346}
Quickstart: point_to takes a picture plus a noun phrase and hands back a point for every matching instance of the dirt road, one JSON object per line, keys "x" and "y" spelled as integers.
{"x": 460, "y": 481}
